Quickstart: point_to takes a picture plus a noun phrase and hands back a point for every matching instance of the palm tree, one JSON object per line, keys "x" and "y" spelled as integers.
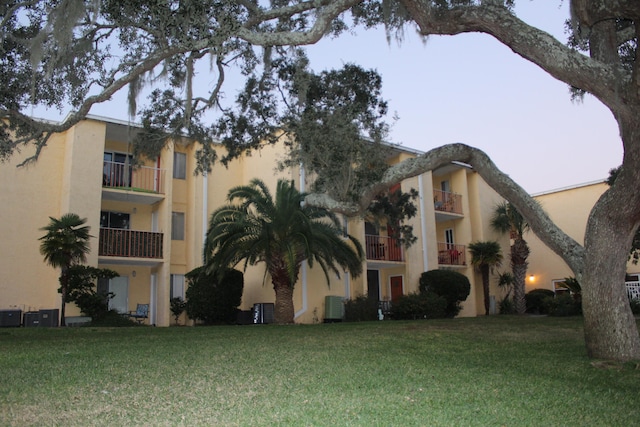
{"x": 282, "y": 233}
{"x": 506, "y": 218}
{"x": 66, "y": 244}
{"x": 485, "y": 256}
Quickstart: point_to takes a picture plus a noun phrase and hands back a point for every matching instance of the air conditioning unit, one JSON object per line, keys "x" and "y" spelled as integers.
{"x": 49, "y": 318}
{"x": 333, "y": 309}
{"x": 263, "y": 312}
{"x": 11, "y": 317}
{"x": 31, "y": 319}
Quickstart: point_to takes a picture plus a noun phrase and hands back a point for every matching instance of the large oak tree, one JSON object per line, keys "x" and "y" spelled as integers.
{"x": 81, "y": 52}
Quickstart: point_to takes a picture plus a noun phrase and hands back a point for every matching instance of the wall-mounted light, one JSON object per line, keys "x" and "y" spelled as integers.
{"x": 133, "y": 273}
{"x": 532, "y": 278}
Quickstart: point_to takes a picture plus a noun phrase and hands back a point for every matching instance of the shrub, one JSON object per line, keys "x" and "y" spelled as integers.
{"x": 113, "y": 319}
{"x": 212, "y": 300}
{"x": 425, "y": 305}
{"x": 361, "y": 309}
{"x": 562, "y": 305}
{"x": 535, "y": 300}
{"x": 635, "y": 306}
{"x": 451, "y": 285}
{"x": 81, "y": 290}
{"x": 507, "y": 306}
{"x": 177, "y": 307}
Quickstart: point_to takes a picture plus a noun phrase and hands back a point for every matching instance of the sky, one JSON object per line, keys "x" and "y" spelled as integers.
{"x": 471, "y": 89}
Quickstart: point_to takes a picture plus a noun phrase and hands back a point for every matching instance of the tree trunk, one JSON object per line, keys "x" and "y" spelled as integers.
{"x": 519, "y": 265}
{"x": 64, "y": 280}
{"x": 484, "y": 271}
{"x": 610, "y": 328}
{"x": 284, "y": 311}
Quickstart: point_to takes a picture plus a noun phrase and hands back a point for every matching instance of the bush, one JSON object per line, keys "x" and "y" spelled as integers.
{"x": 451, "y": 285}
{"x": 361, "y": 309}
{"x": 177, "y": 307}
{"x": 507, "y": 306}
{"x": 81, "y": 290}
{"x": 425, "y": 305}
{"x": 210, "y": 300}
{"x": 635, "y": 306}
{"x": 535, "y": 300}
{"x": 113, "y": 319}
{"x": 562, "y": 305}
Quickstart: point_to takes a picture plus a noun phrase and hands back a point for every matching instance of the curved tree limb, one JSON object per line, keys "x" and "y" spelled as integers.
{"x": 562, "y": 244}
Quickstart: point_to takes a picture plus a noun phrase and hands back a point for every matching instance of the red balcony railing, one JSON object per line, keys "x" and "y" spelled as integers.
{"x": 129, "y": 243}
{"x": 450, "y": 254}
{"x": 444, "y": 201}
{"x": 119, "y": 175}
{"x": 382, "y": 248}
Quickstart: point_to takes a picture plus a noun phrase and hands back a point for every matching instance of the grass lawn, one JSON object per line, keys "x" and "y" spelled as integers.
{"x": 494, "y": 371}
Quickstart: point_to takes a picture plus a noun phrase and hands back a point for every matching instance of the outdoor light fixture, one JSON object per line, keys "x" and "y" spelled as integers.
{"x": 532, "y": 278}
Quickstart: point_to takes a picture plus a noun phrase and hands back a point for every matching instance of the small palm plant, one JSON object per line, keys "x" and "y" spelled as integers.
{"x": 485, "y": 256}
{"x": 280, "y": 232}
{"x": 507, "y": 219}
{"x": 65, "y": 244}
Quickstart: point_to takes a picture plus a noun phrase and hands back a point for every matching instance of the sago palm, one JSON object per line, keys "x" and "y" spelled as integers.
{"x": 66, "y": 244}
{"x": 485, "y": 256}
{"x": 507, "y": 219}
{"x": 282, "y": 233}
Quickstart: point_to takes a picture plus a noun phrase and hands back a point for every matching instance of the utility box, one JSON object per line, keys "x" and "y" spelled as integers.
{"x": 263, "y": 312}
{"x": 31, "y": 319}
{"x": 49, "y": 318}
{"x": 333, "y": 309}
{"x": 11, "y": 317}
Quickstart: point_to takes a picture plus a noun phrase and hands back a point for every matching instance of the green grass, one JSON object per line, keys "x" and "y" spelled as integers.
{"x": 496, "y": 371}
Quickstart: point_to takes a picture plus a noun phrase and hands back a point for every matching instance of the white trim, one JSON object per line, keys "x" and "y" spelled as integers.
{"x": 569, "y": 187}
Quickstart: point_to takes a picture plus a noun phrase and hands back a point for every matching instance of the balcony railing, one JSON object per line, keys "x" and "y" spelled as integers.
{"x": 382, "y": 248}
{"x": 121, "y": 176}
{"x": 129, "y": 243}
{"x": 443, "y": 201}
{"x": 633, "y": 290}
{"x": 450, "y": 254}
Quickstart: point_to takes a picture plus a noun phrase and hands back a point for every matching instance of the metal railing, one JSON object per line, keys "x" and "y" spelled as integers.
{"x": 633, "y": 290}
{"x": 383, "y": 248}
{"x": 450, "y": 254}
{"x": 129, "y": 243}
{"x": 444, "y": 201}
{"x": 119, "y": 175}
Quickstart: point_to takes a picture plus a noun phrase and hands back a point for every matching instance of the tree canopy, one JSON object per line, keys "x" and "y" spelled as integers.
{"x": 82, "y": 52}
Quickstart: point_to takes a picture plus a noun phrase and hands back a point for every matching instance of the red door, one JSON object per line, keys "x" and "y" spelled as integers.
{"x": 396, "y": 288}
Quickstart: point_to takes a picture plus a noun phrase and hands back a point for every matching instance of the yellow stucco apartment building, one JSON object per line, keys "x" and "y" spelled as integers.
{"x": 148, "y": 224}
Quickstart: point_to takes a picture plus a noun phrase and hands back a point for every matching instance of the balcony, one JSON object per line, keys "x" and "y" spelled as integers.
{"x": 452, "y": 255}
{"x": 118, "y": 242}
{"x": 633, "y": 290}
{"x": 447, "y": 205}
{"x": 141, "y": 184}
{"x": 382, "y": 248}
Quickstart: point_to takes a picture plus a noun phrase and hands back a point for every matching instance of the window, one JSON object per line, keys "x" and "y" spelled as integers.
{"x": 179, "y": 165}
{"x": 177, "y": 225}
{"x": 114, "y": 220}
{"x": 177, "y": 286}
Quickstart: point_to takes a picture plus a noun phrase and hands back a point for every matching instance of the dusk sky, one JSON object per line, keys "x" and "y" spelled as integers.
{"x": 471, "y": 89}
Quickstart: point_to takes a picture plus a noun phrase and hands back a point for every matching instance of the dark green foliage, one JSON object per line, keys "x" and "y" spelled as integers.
{"x": 451, "y": 285}
{"x": 361, "y": 309}
{"x": 81, "y": 289}
{"x": 212, "y": 300}
{"x": 421, "y": 305}
{"x": 635, "y": 306}
{"x": 507, "y": 306}
{"x": 535, "y": 300}
{"x": 177, "y": 306}
{"x": 113, "y": 319}
{"x": 562, "y": 305}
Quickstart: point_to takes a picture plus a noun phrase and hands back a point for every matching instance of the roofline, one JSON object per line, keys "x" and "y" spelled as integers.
{"x": 569, "y": 187}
